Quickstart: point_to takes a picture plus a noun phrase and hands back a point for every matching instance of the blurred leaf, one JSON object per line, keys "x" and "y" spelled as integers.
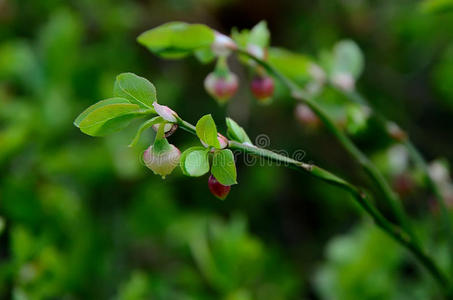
{"x": 205, "y": 55}
{"x": 223, "y": 167}
{"x": 259, "y": 35}
{"x": 236, "y": 132}
{"x": 207, "y": 131}
{"x": 177, "y": 39}
{"x": 436, "y": 6}
{"x": 347, "y": 59}
{"x": 293, "y": 65}
{"x": 136, "y": 89}
{"x": 107, "y": 118}
{"x": 195, "y": 162}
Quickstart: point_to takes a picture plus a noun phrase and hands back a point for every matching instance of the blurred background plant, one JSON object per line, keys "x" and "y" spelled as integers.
{"x": 82, "y": 218}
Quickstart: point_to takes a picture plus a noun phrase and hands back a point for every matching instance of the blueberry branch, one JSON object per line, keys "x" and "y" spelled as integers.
{"x": 297, "y": 93}
{"x": 398, "y": 234}
{"x": 417, "y": 158}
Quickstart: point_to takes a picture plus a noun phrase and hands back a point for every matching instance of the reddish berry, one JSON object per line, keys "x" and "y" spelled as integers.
{"x": 217, "y": 189}
{"x": 221, "y": 88}
{"x": 262, "y": 87}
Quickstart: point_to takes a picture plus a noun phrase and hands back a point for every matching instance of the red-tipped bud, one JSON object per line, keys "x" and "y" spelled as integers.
{"x": 162, "y": 158}
{"x": 221, "y": 88}
{"x": 223, "y": 141}
{"x": 262, "y": 87}
{"x": 217, "y": 189}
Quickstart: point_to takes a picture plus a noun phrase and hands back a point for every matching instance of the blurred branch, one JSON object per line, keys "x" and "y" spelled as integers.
{"x": 419, "y": 161}
{"x": 399, "y": 235}
{"x": 391, "y": 198}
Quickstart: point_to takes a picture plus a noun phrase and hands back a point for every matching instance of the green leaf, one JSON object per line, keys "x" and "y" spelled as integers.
{"x": 177, "y": 39}
{"x": 143, "y": 127}
{"x": 108, "y": 118}
{"x": 293, "y": 65}
{"x": 347, "y": 59}
{"x": 236, "y": 132}
{"x": 99, "y": 105}
{"x": 195, "y": 162}
{"x": 207, "y": 131}
{"x": 223, "y": 167}
{"x": 259, "y": 35}
{"x": 136, "y": 89}
{"x": 205, "y": 55}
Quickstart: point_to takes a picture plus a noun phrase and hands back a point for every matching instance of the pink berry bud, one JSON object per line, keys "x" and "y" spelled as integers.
{"x": 162, "y": 158}
{"x": 221, "y": 88}
{"x": 217, "y": 189}
{"x": 223, "y": 141}
{"x": 306, "y": 116}
{"x": 223, "y": 44}
{"x": 344, "y": 81}
{"x": 262, "y": 87}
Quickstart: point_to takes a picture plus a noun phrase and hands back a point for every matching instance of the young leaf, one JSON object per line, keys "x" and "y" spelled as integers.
{"x": 236, "y": 132}
{"x": 207, "y": 131}
{"x": 259, "y": 35}
{"x": 105, "y": 119}
{"x": 176, "y": 39}
{"x": 348, "y": 59}
{"x": 143, "y": 127}
{"x": 194, "y": 161}
{"x": 223, "y": 167}
{"x": 293, "y": 65}
{"x": 136, "y": 89}
{"x": 99, "y": 105}
{"x": 205, "y": 55}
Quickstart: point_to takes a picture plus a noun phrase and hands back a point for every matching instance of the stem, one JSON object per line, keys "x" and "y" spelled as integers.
{"x": 419, "y": 161}
{"x": 361, "y": 198}
{"x": 395, "y": 232}
{"x": 391, "y": 198}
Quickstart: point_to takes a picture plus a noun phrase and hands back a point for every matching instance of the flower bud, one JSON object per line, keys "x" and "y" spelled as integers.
{"x": 396, "y": 132}
{"x": 217, "y": 189}
{"x": 223, "y": 44}
{"x": 262, "y": 87}
{"x": 221, "y": 88}
{"x": 161, "y": 157}
{"x": 223, "y": 141}
{"x": 344, "y": 81}
{"x": 306, "y": 116}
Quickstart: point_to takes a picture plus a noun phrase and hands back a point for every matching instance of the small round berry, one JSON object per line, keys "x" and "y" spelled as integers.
{"x": 217, "y": 189}
{"x": 221, "y": 88}
{"x": 262, "y": 87}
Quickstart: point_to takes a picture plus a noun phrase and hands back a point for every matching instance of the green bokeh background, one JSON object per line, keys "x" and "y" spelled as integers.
{"x": 82, "y": 218}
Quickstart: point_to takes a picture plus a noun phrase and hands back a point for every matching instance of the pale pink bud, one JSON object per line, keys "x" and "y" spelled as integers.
{"x": 163, "y": 162}
{"x": 221, "y": 88}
